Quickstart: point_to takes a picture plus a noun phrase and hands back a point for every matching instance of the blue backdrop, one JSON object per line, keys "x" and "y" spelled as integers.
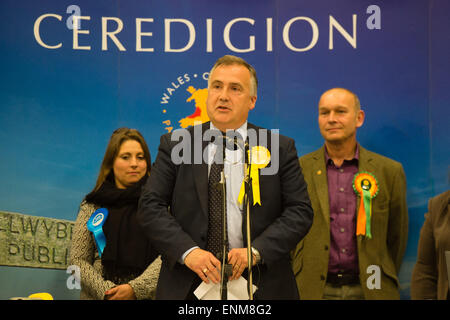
{"x": 63, "y": 92}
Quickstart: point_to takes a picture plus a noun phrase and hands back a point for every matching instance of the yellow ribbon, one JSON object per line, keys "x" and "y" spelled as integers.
{"x": 259, "y": 158}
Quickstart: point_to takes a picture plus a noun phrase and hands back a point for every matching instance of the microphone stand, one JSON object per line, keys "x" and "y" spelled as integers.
{"x": 227, "y": 269}
{"x": 246, "y": 205}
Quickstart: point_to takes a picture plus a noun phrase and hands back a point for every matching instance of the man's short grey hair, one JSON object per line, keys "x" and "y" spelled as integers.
{"x": 228, "y": 60}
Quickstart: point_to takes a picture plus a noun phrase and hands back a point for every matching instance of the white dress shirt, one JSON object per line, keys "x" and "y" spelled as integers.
{"x": 234, "y": 175}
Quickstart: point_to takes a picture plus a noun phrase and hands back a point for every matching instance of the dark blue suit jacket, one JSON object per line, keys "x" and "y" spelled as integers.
{"x": 173, "y": 211}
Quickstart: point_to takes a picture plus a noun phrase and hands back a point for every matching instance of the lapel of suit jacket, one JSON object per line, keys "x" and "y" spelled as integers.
{"x": 319, "y": 178}
{"x": 200, "y": 172}
{"x": 365, "y": 163}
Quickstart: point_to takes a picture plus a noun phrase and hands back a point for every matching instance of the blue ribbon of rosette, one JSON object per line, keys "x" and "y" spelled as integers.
{"x": 95, "y": 224}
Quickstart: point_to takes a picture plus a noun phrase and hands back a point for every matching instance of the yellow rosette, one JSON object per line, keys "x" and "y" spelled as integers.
{"x": 40, "y": 296}
{"x": 259, "y": 158}
{"x": 366, "y": 186}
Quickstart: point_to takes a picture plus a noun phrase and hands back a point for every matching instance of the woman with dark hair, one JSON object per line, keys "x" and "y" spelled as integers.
{"x": 127, "y": 266}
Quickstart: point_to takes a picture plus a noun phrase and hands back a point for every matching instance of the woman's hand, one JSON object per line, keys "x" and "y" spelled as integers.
{"x": 121, "y": 292}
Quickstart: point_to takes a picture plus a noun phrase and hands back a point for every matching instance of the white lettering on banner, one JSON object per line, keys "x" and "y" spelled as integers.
{"x": 269, "y": 30}
{"x": 288, "y": 36}
{"x": 139, "y": 35}
{"x": 226, "y": 36}
{"x": 167, "y": 23}
{"x": 37, "y": 35}
{"x": 209, "y": 47}
{"x": 335, "y": 24}
{"x": 181, "y": 80}
{"x": 112, "y": 34}
{"x": 315, "y": 34}
{"x": 77, "y": 31}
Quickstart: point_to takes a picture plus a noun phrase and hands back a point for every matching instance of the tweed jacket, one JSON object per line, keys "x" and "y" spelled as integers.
{"x": 84, "y": 254}
{"x": 429, "y": 278}
{"x": 383, "y": 252}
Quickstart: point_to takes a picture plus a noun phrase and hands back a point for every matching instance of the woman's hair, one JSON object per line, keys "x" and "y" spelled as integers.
{"x": 118, "y": 137}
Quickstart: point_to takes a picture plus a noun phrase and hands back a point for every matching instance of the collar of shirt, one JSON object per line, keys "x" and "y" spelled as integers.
{"x": 231, "y": 156}
{"x": 328, "y": 160}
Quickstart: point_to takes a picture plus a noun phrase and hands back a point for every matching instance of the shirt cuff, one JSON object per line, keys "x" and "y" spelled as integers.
{"x": 181, "y": 260}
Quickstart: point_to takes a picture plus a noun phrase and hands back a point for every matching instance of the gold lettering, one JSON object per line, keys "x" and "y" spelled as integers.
{"x": 77, "y": 31}
{"x": 37, "y": 34}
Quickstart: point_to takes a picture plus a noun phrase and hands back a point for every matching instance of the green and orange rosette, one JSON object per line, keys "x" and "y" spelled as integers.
{"x": 366, "y": 186}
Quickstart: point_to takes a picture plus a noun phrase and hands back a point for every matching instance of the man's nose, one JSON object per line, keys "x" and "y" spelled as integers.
{"x": 331, "y": 117}
{"x": 223, "y": 95}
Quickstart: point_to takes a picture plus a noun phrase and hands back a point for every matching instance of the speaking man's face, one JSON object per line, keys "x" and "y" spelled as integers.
{"x": 229, "y": 96}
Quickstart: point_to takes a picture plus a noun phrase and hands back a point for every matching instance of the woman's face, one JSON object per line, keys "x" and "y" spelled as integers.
{"x": 130, "y": 164}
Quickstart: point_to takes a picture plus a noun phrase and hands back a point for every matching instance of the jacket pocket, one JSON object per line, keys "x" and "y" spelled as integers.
{"x": 390, "y": 274}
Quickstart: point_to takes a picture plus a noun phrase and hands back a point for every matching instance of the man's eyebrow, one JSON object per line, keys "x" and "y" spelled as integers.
{"x": 336, "y": 107}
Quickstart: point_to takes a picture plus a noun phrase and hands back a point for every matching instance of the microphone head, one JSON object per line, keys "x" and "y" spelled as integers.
{"x": 234, "y": 140}
{"x": 231, "y": 139}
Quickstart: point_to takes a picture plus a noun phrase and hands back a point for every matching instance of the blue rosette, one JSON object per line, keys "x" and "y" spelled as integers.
{"x": 95, "y": 225}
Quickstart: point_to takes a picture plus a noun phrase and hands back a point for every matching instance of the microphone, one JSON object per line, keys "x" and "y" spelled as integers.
{"x": 232, "y": 140}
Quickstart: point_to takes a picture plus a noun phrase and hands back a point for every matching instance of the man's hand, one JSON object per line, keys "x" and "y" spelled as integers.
{"x": 121, "y": 292}
{"x": 238, "y": 259}
{"x": 204, "y": 264}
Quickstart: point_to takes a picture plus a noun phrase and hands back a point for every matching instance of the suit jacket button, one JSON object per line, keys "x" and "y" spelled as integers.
{"x": 326, "y": 247}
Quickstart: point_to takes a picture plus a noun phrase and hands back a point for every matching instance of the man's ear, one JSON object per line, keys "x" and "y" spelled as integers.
{"x": 360, "y": 118}
{"x": 253, "y": 102}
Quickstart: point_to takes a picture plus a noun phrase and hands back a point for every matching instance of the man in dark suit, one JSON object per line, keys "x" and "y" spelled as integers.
{"x": 176, "y": 204}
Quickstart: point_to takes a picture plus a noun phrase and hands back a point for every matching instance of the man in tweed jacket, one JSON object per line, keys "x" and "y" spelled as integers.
{"x": 332, "y": 261}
